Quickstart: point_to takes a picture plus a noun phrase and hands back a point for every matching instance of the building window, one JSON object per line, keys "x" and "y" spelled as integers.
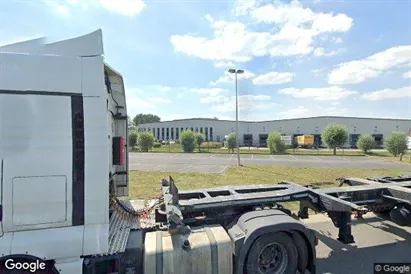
{"x": 192, "y": 129}
{"x": 172, "y": 133}
{"x": 196, "y": 129}
{"x": 206, "y": 134}
{"x": 177, "y": 134}
{"x": 211, "y": 134}
{"x": 218, "y": 138}
{"x": 158, "y": 133}
{"x": 181, "y": 129}
{"x": 168, "y": 134}
{"x": 162, "y": 133}
{"x": 201, "y": 129}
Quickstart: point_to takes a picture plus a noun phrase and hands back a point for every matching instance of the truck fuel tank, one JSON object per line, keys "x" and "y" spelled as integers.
{"x": 205, "y": 250}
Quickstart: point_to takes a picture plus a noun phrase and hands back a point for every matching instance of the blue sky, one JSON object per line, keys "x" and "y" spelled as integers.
{"x": 301, "y": 59}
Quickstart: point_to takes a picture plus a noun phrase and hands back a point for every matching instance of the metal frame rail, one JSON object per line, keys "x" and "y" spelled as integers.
{"x": 360, "y": 197}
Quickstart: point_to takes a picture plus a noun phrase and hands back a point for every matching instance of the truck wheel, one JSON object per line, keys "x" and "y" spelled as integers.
{"x": 273, "y": 253}
{"x": 302, "y": 250}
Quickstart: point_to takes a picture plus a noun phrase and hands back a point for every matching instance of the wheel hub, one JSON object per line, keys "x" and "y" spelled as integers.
{"x": 272, "y": 259}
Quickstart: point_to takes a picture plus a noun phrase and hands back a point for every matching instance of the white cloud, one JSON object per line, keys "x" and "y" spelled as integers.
{"x": 242, "y": 7}
{"x": 320, "y": 94}
{"x": 302, "y": 111}
{"x": 165, "y": 89}
{"x": 208, "y": 91}
{"x": 407, "y": 74}
{"x": 358, "y": 71}
{"x": 273, "y": 78}
{"x": 229, "y": 77}
{"x": 123, "y": 7}
{"x": 160, "y": 100}
{"x": 322, "y": 52}
{"x": 245, "y": 102}
{"x": 385, "y": 94}
{"x": 214, "y": 99}
{"x": 337, "y": 40}
{"x": 233, "y": 41}
{"x": 222, "y": 64}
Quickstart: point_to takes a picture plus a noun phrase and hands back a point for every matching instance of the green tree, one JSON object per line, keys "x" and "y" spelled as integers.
{"x": 396, "y": 143}
{"x": 132, "y": 139}
{"x": 335, "y": 135}
{"x": 232, "y": 141}
{"x": 188, "y": 140}
{"x": 145, "y": 119}
{"x": 130, "y": 124}
{"x": 366, "y": 143}
{"x": 145, "y": 141}
{"x": 275, "y": 143}
{"x": 200, "y": 138}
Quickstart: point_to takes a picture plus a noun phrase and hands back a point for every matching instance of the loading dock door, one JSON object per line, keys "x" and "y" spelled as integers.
{"x": 248, "y": 140}
{"x": 378, "y": 140}
{"x": 263, "y": 140}
{"x": 353, "y": 140}
{"x": 317, "y": 140}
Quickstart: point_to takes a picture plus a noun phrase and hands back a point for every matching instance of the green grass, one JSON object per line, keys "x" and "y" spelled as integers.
{"x": 147, "y": 185}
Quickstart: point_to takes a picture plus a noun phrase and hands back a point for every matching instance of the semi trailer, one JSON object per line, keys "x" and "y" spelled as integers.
{"x": 65, "y": 166}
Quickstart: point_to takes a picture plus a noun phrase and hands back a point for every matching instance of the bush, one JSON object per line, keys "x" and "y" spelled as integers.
{"x": 188, "y": 141}
{"x": 366, "y": 143}
{"x": 132, "y": 139}
{"x": 211, "y": 145}
{"x": 232, "y": 142}
{"x": 145, "y": 141}
{"x": 157, "y": 145}
{"x": 200, "y": 138}
{"x": 275, "y": 143}
{"x": 396, "y": 143}
{"x": 335, "y": 135}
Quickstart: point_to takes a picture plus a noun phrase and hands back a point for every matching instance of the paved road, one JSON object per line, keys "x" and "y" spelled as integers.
{"x": 377, "y": 241}
{"x": 216, "y": 163}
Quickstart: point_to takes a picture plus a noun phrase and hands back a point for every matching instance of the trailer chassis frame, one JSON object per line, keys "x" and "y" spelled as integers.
{"x": 180, "y": 208}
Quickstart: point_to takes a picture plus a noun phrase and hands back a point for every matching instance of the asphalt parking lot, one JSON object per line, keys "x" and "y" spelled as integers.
{"x": 217, "y": 163}
{"x": 376, "y": 241}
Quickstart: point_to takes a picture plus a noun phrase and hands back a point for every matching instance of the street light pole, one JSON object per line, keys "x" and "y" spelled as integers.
{"x": 238, "y": 71}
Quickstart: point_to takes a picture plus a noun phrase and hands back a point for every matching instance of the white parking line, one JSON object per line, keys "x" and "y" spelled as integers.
{"x": 224, "y": 169}
{"x": 293, "y": 157}
{"x": 232, "y": 155}
{"x": 212, "y": 156}
{"x": 272, "y": 157}
{"x": 252, "y": 156}
{"x": 344, "y": 158}
{"x": 185, "y": 168}
{"x": 317, "y": 158}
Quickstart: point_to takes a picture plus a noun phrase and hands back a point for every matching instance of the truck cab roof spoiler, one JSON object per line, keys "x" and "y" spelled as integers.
{"x": 87, "y": 45}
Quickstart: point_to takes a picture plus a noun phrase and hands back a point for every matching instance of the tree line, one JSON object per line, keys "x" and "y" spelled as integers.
{"x": 333, "y": 135}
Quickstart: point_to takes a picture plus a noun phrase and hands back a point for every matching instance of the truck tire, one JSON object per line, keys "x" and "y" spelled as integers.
{"x": 302, "y": 250}
{"x": 273, "y": 253}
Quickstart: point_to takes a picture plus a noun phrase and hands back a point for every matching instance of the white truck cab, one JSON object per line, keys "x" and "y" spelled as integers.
{"x": 63, "y": 124}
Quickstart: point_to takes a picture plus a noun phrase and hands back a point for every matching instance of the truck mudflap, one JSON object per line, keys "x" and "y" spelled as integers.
{"x": 245, "y": 230}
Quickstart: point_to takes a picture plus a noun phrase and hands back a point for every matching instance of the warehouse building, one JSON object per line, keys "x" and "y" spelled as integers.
{"x": 256, "y": 133}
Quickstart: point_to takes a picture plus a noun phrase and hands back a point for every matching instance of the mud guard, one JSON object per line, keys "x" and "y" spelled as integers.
{"x": 251, "y": 225}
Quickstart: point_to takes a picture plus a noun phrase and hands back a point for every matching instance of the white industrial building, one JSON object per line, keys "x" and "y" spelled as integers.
{"x": 256, "y": 133}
